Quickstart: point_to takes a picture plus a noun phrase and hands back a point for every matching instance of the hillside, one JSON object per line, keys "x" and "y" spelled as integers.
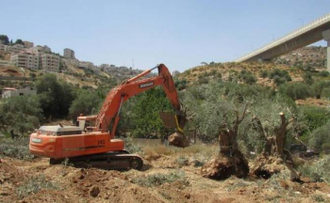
{"x": 295, "y": 64}
{"x": 308, "y": 58}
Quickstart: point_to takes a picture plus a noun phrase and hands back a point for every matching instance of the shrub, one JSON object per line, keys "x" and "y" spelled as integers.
{"x": 318, "y": 171}
{"x": 34, "y": 185}
{"x": 326, "y": 93}
{"x": 315, "y": 116}
{"x": 324, "y": 73}
{"x": 279, "y": 76}
{"x": 320, "y": 138}
{"x": 296, "y": 90}
{"x": 182, "y": 161}
{"x": 20, "y": 114}
{"x": 318, "y": 88}
{"x": 161, "y": 178}
{"x": 247, "y": 77}
{"x": 263, "y": 74}
{"x": 18, "y": 149}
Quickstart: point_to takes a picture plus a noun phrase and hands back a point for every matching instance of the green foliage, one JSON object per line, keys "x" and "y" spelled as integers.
{"x": 132, "y": 147}
{"x": 19, "y": 41}
{"x": 55, "y": 96}
{"x": 279, "y": 76}
{"x": 34, "y": 185}
{"x": 182, "y": 161}
{"x": 319, "y": 86}
{"x": 4, "y": 39}
{"x": 247, "y": 77}
{"x": 18, "y": 148}
{"x": 21, "y": 114}
{"x": 141, "y": 114}
{"x": 320, "y": 138}
{"x": 296, "y": 90}
{"x": 161, "y": 178}
{"x": 318, "y": 171}
{"x": 315, "y": 116}
{"x": 263, "y": 74}
{"x": 324, "y": 73}
{"x": 308, "y": 79}
{"x": 181, "y": 84}
{"x": 86, "y": 102}
{"x": 326, "y": 93}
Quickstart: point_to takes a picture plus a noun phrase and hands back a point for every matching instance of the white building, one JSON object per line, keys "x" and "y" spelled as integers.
{"x": 15, "y": 48}
{"x": 50, "y": 62}
{"x": 69, "y": 54}
{"x": 25, "y": 60}
{"x": 8, "y": 92}
{"x": 2, "y": 47}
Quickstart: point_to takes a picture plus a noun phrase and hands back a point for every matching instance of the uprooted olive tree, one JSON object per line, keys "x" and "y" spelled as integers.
{"x": 230, "y": 160}
{"x": 220, "y": 111}
{"x": 274, "y": 157}
{"x": 222, "y": 118}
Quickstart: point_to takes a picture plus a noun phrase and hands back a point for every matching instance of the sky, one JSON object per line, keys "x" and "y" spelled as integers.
{"x": 179, "y": 33}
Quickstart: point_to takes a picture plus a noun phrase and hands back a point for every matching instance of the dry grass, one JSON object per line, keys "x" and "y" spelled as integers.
{"x": 159, "y": 149}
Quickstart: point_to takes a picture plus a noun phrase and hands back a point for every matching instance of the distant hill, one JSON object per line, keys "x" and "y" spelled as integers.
{"x": 294, "y": 63}
{"x": 308, "y": 58}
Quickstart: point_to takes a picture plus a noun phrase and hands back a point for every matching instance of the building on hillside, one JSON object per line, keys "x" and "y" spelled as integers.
{"x": 2, "y": 47}
{"x": 69, "y": 54}
{"x": 50, "y": 62}
{"x": 42, "y": 49}
{"x": 28, "y": 44}
{"x": 16, "y": 48}
{"x": 8, "y": 92}
{"x": 25, "y": 60}
{"x": 86, "y": 64}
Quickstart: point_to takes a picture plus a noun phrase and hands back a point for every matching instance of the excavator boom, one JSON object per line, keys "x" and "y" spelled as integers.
{"x": 94, "y": 145}
{"x": 109, "y": 113}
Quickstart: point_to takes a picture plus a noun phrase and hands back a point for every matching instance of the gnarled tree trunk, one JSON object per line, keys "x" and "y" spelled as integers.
{"x": 230, "y": 160}
{"x": 275, "y": 157}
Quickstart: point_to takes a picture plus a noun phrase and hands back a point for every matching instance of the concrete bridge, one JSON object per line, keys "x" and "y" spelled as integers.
{"x": 309, "y": 34}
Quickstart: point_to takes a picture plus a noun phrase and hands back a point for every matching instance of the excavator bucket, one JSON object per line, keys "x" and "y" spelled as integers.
{"x": 171, "y": 120}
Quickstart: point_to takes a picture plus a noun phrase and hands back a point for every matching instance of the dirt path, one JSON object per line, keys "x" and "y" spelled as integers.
{"x": 163, "y": 181}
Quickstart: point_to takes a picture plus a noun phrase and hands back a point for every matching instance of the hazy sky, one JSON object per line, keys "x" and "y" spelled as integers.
{"x": 179, "y": 33}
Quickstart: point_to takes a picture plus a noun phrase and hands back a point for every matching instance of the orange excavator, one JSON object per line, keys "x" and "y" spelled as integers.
{"x": 92, "y": 142}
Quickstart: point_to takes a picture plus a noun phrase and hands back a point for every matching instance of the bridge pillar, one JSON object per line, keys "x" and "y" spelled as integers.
{"x": 326, "y": 37}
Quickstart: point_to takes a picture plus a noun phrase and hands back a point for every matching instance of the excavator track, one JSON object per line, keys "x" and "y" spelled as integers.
{"x": 121, "y": 160}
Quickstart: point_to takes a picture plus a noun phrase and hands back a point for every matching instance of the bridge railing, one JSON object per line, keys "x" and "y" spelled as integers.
{"x": 293, "y": 34}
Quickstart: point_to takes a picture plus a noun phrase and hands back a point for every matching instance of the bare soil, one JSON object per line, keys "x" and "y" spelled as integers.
{"x": 95, "y": 185}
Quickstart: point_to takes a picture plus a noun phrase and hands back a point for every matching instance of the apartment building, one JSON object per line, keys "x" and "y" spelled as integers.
{"x": 50, "y": 62}
{"x": 15, "y": 48}
{"x": 2, "y": 47}
{"x": 25, "y": 60}
{"x": 69, "y": 54}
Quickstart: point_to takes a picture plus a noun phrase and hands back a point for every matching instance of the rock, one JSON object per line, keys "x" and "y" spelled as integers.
{"x": 178, "y": 140}
{"x": 94, "y": 192}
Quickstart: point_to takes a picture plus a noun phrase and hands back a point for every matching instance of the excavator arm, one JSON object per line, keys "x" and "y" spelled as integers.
{"x": 109, "y": 113}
